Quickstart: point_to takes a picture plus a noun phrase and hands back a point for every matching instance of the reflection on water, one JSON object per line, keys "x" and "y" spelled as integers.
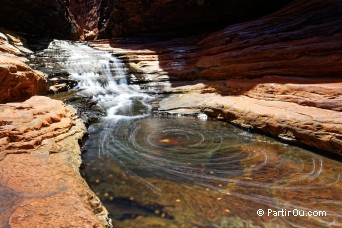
{"x": 184, "y": 172}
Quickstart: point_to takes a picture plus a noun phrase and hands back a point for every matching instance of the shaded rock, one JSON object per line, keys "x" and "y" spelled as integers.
{"x": 177, "y": 17}
{"x": 279, "y": 74}
{"x": 39, "y": 161}
{"x": 85, "y": 16}
{"x": 90, "y": 19}
{"x": 36, "y": 17}
{"x": 300, "y": 40}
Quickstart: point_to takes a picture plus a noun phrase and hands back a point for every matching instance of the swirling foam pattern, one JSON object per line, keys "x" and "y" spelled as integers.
{"x": 205, "y": 153}
{"x": 209, "y": 164}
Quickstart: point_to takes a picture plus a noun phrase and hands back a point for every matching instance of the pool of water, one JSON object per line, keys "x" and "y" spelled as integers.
{"x": 151, "y": 170}
{"x": 164, "y": 171}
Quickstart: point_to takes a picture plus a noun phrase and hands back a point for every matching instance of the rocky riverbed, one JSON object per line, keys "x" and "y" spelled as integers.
{"x": 40, "y": 158}
{"x": 278, "y": 74}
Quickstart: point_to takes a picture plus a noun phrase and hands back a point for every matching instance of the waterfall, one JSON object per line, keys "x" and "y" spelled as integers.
{"x": 102, "y": 77}
{"x": 179, "y": 161}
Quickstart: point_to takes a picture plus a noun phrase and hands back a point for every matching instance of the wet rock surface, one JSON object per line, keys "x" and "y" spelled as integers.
{"x": 287, "y": 62}
{"x": 279, "y": 74}
{"x": 39, "y": 163}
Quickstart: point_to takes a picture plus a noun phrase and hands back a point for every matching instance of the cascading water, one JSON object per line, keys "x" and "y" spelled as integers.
{"x": 158, "y": 171}
{"x": 102, "y": 78}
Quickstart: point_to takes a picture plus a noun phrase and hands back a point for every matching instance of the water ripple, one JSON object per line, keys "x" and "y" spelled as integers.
{"x": 212, "y": 155}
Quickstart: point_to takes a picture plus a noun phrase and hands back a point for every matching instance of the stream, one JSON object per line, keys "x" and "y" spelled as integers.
{"x": 157, "y": 170}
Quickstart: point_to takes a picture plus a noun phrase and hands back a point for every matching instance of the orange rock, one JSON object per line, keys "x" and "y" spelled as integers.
{"x": 279, "y": 74}
{"x": 39, "y": 162}
{"x": 18, "y": 81}
{"x": 291, "y": 122}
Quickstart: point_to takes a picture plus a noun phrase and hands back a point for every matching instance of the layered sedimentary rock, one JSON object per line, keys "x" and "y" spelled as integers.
{"x": 178, "y": 16}
{"x": 259, "y": 74}
{"x": 89, "y": 19}
{"x": 36, "y": 17}
{"x": 301, "y": 40}
{"x": 319, "y": 128}
{"x": 39, "y": 167}
{"x": 40, "y": 183}
{"x": 18, "y": 81}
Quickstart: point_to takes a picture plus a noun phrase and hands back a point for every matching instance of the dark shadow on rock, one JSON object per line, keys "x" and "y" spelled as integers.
{"x": 298, "y": 44}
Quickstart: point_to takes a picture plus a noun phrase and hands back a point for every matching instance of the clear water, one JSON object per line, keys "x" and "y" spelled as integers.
{"x": 159, "y": 171}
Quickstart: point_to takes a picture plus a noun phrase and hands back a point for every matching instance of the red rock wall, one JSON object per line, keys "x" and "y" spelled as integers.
{"x": 177, "y": 17}
{"x": 279, "y": 74}
{"x": 303, "y": 40}
{"x": 38, "y": 17}
{"x": 90, "y": 19}
{"x": 85, "y": 16}
{"x": 17, "y": 80}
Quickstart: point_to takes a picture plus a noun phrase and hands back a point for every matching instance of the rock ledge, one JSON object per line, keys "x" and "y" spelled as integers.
{"x": 39, "y": 167}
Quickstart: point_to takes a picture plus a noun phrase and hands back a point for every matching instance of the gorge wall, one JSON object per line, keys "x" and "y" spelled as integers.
{"x": 36, "y": 17}
{"x": 276, "y": 69}
{"x": 289, "y": 55}
{"x": 83, "y": 19}
{"x": 279, "y": 74}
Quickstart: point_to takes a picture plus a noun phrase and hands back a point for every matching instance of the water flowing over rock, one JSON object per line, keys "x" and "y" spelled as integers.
{"x": 290, "y": 56}
{"x": 267, "y": 67}
{"x": 39, "y": 166}
{"x": 101, "y": 78}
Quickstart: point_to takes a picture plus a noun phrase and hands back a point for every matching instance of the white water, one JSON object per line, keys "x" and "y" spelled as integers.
{"x": 209, "y": 155}
{"x": 102, "y": 78}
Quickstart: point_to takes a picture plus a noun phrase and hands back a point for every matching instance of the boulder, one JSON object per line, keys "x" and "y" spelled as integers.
{"x": 18, "y": 81}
